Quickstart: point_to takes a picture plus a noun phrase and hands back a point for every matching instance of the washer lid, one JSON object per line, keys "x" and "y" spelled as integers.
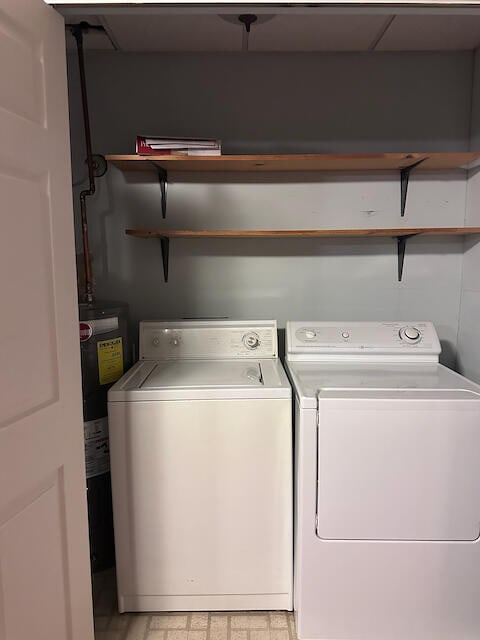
{"x": 201, "y": 380}
{"x": 198, "y": 373}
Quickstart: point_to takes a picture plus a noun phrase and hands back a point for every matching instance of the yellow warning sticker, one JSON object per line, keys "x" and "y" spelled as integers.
{"x": 110, "y": 360}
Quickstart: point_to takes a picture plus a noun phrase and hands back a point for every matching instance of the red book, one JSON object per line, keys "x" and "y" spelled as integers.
{"x": 142, "y": 148}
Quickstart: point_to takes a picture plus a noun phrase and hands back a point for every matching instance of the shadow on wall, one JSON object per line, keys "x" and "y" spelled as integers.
{"x": 448, "y": 355}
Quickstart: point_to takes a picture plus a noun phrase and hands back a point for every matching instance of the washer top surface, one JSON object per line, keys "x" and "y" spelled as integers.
{"x": 204, "y": 373}
{"x": 202, "y": 380}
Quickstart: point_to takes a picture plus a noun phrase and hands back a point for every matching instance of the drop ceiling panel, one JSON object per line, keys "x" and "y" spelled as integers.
{"x": 431, "y": 33}
{"x": 174, "y": 33}
{"x": 317, "y": 33}
{"x": 292, "y": 32}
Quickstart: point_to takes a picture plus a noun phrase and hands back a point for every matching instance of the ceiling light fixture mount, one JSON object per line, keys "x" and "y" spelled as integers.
{"x": 245, "y": 22}
{"x": 247, "y": 19}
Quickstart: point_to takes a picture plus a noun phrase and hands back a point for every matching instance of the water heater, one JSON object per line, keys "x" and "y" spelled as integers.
{"x": 105, "y": 355}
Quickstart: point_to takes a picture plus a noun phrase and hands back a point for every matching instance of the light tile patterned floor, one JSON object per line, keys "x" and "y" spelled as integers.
{"x": 235, "y": 625}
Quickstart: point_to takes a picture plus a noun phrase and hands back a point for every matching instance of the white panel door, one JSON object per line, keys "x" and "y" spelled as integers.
{"x": 44, "y": 565}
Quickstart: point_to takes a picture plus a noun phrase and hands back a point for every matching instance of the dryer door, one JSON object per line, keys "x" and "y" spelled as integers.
{"x": 398, "y": 465}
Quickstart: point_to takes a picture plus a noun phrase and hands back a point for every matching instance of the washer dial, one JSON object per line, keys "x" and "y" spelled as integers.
{"x": 410, "y": 334}
{"x": 251, "y": 340}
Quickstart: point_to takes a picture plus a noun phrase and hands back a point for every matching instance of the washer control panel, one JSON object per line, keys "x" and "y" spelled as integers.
{"x": 190, "y": 339}
{"x": 362, "y": 338}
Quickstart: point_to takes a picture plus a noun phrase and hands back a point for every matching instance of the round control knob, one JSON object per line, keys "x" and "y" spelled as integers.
{"x": 156, "y": 341}
{"x": 345, "y": 335}
{"x": 310, "y": 334}
{"x": 410, "y": 334}
{"x": 251, "y": 340}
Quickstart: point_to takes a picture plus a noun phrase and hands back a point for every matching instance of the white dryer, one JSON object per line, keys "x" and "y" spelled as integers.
{"x": 387, "y": 477}
{"x": 201, "y": 461}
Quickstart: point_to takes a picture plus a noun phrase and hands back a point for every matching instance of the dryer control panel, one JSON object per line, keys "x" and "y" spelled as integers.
{"x": 190, "y": 339}
{"x": 334, "y": 339}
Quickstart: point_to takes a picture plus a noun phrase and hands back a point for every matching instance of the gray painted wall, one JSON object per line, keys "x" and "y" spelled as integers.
{"x": 280, "y": 103}
{"x": 468, "y": 361}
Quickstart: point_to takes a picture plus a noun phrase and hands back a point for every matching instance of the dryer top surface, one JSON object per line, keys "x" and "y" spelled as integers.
{"x": 312, "y": 380}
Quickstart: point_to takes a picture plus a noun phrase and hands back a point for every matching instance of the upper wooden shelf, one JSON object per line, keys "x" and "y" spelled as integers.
{"x": 309, "y": 162}
{"x": 301, "y": 233}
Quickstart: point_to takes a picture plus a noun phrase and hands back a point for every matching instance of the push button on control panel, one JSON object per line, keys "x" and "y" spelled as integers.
{"x": 410, "y": 334}
{"x": 345, "y": 334}
{"x": 310, "y": 334}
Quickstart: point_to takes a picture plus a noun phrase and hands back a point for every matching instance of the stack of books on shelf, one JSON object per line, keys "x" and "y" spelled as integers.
{"x": 158, "y": 145}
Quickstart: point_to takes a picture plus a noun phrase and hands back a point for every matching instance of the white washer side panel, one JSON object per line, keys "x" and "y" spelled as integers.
{"x": 202, "y": 495}
{"x": 358, "y": 590}
{"x": 393, "y": 469}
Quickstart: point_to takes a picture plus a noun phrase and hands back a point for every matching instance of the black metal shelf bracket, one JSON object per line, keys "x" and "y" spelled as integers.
{"x": 401, "y": 246}
{"x": 163, "y": 180}
{"x": 404, "y": 177}
{"x": 165, "y": 245}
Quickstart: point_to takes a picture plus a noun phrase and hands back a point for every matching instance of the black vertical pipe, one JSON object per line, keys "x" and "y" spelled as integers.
{"x": 77, "y": 32}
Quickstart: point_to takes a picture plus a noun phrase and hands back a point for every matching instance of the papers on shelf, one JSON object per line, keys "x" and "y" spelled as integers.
{"x": 156, "y": 145}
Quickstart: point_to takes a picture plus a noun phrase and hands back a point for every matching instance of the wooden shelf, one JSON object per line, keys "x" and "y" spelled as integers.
{"x": 302, "y": 233}
{"x": 404, "y": 163}
{"x": 297, "y": 162}
{"x": 401, "y": 235}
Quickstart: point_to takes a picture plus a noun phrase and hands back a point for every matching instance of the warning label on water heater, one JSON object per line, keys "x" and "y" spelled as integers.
{"x": 110, "y": 360}
{"x": 97, "y": 450}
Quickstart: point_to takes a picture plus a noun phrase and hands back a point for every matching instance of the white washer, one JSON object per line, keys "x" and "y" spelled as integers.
{"x": 201, "y": 460}
{"x": 387, "y": 491}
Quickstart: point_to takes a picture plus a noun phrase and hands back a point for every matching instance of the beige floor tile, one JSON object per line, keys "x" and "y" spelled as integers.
{"x": 137, "y": 628}
{"x": 239, "y": 634}
{"x": 156, "y": 634}
{"x": 215, "y": 633}
{"x": 249, "y": 622}
{"x": 197, "y": 634}
{"x": 177, "y": 634}
{"x": 291, "y": 624}
{"x": 279, "y": 634}
{"x": 199, "y": 621}
{"x": 168, "y": 622}
{"x": 278, "y": 620}
{"x": 259, "y": 634}
{"x": 218, "y": 621}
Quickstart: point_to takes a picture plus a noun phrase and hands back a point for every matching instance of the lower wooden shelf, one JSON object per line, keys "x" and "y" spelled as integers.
{"x": 401, "y": 235}
{"x": 300, "y": 233}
